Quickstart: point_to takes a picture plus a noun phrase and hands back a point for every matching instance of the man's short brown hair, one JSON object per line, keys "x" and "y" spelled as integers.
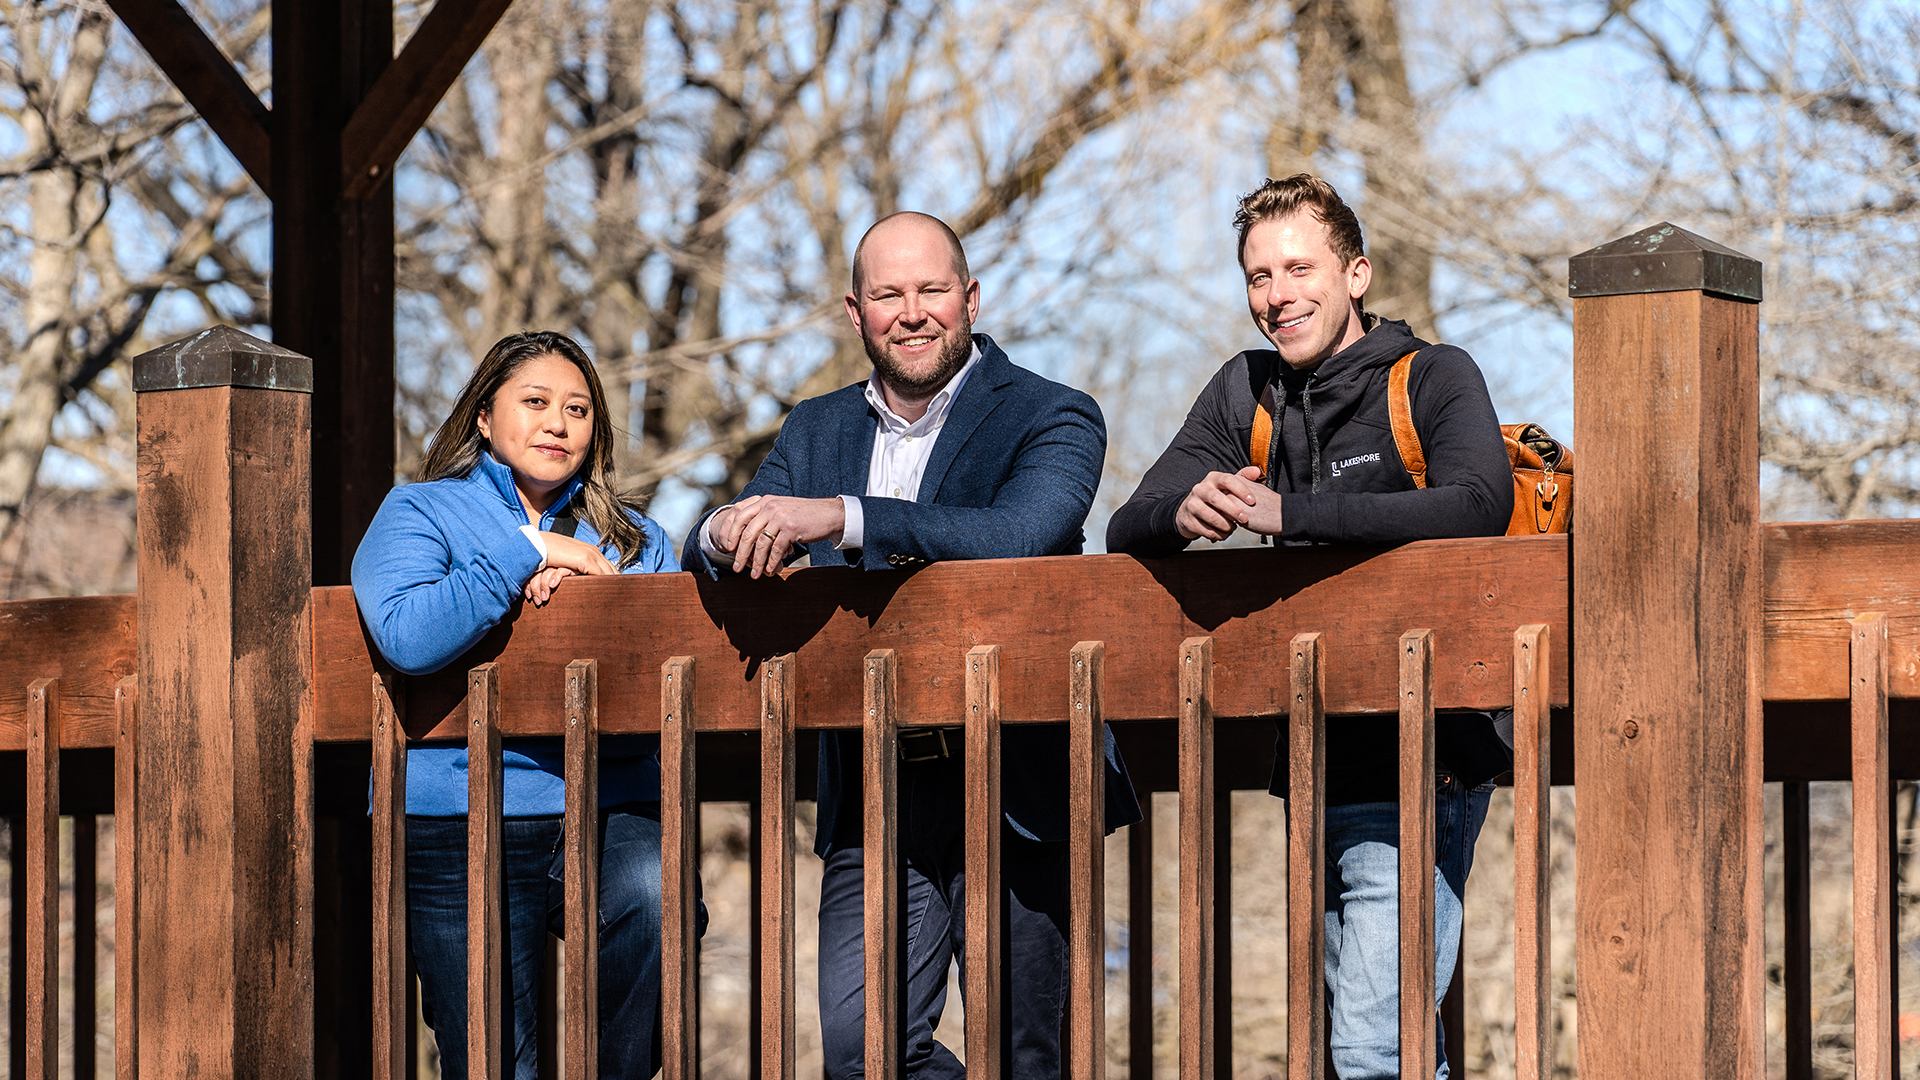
{"x": 1302, "y": 191}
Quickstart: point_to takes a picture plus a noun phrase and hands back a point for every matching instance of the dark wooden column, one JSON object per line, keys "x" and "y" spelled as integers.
{"x": 1667, "y": 658}
{"x": 225, "y": 661}
{"x": 333, "y": 261}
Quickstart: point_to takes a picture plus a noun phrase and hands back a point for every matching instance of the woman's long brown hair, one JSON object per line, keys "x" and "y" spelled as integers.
{"x": 456, "y": 447}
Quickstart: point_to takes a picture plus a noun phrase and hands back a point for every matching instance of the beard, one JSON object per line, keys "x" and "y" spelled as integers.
{"x": 952, "y": 357}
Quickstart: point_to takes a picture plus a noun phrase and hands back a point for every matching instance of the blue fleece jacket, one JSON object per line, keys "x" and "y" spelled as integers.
{"x": 443, "y": 562}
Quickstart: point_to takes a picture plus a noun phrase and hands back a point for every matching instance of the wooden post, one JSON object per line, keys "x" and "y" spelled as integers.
{"x": 985, "y": 937}
{"x": 126, "y": 891}
{"x": 42, "y": 943}
{"x": 1417, "y": 1007}
{"x": 775, "y": 895}
{"x": 1532, "y": 854}
{"x": 880, "y": 770}
{"x": 1196, "y": 859}
{"x": 1667, "y": 664}
{"x": 1306, "y": 859}
{"x": 1086, "y": 861}
{"x": 679, "y": 870}
{"x": 1874, "y": 1003}
{"x": 224, "y": 849}
{"x": 582, "y": 755}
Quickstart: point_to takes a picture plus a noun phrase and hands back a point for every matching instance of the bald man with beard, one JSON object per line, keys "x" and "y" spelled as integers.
{"x": 947, "y": 451}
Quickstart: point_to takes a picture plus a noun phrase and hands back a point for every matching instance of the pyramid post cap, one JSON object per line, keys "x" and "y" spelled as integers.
{"x": 222, "y": 356}
{"x": 1664, "y": 258}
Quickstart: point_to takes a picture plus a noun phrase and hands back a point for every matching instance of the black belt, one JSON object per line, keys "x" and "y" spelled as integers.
{"x": 926, "y": 744}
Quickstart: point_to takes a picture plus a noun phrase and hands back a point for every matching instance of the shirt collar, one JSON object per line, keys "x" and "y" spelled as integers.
{"x": 937, "y": 409}
{"x": 500, "y": 478}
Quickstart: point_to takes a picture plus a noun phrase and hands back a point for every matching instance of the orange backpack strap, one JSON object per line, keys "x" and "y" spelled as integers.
{"x": 1400, "y": 411}
{"x": 1262, "y": 437}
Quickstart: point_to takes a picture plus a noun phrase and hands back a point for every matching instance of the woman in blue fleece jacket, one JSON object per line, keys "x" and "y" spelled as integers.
{"x": 517, "y": 496}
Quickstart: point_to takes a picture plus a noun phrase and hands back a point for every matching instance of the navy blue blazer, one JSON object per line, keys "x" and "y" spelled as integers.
{"x": 1013, "y": 474}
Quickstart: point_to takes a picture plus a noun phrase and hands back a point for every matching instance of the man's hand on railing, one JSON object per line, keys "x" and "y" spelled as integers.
{"x": 759, "y": 530}
{"x": 1225, "y": 501}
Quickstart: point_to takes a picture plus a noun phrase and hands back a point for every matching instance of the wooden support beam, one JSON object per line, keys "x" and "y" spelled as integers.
{"x": 126, "y": 884}
{"x": 777, "y": 992}
{"x": 1667, "y": 574}
{"x": 487, "y": 1005}
{"x": 405, "y": 93}
{"x": 582, "y": 867}
{"x": 1086, "y": 865}
{"x": 1417, "y": 1006}
{"x": 389, "y": 806}
{"x": 1306, "y": 859}
{"x": 1532, "y": 856}
{"x": 679, "y": 872}
{"x": 985, "y": 931}
{"x": 207, "y": 79}
{"x": 42, "y": 943}
{"x": 880, "y": 773}
{"x": 225, "y": 740}
{"x": 1874, "y": 1005}
{"x": 1196, "y": 859}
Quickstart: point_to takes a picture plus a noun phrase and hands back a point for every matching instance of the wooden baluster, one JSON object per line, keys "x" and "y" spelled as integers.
{"x": 582, "y": 868}
{"x": 17, "y": 955}
{"x": 390, "y": 1016}
{"x": 486, "y": 965}
{"x": 679, "y": 871}
{"x": 777, "y": 993}
{"x": 1196, "y": 859}
{"x": 1873, "y": 1002}
{"x": 1416, "y": 856}
{"x": 42, "y": 943}
{"x": 126, "y": 886}
{"x": 1532, "y": 853}
{"x": 880, "y": 751}
{"x": 1140, "y": 944}
{"x": 1306, "y": 860}
{"x": 1086, "y": 861}
{"x": 985, "y": 933}
{"x": 1222, "y": 932}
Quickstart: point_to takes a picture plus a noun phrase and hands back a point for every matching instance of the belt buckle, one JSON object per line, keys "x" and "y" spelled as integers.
{"x": 937, "y": 737}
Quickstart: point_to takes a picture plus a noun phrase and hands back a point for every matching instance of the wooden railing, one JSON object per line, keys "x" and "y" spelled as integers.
{"x": 1708, "y": 653}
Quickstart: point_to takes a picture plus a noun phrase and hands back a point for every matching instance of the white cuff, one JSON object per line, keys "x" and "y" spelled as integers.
{"x": 539, "y": 541}
{"x": 706, "y": 538}
{"x": 856, "y": 530}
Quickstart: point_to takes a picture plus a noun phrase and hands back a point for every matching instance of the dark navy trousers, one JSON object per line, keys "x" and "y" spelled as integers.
{"x": 532, "y": 859}
{"x": 933, "y": 849}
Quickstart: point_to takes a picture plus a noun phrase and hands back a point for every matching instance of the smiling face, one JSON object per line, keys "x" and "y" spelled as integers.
{"x": 1300, "y": 296}
{"x": 540, "y": 425}
{"x": 914, "y": 310}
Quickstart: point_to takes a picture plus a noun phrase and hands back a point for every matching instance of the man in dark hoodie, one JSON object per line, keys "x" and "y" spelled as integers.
{"x": 1335, "y": 476}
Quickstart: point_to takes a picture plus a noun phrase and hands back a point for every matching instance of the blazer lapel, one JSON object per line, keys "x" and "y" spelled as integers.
{"x": 857, "y": 429}
{"x": 976, "y": 402}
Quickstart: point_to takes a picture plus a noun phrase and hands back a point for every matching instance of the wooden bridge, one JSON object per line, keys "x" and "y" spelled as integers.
{"x": 1672, "y": 656}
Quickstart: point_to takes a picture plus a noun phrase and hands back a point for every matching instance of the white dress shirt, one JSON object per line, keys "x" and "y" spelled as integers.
{"x": 901, "y": 451}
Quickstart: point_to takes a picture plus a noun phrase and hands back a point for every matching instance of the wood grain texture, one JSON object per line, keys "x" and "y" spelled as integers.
{"x": 679, "y": 871}
{"x": 389, "y": 805}
{"x": 207, "y": 79}
{"x": 1306, "y": 858}
{"x": 1251, "y": 602}
{"x": 1196, "y": 859}
{"x": 409, "y": 89}
{"x": 42, "y": 944}
{"x": 880, "y": 774}
{"x": 1817, "y": 576}
{"x": 486, "y": 955}
{"x": 1417, "y": 1005}
{"x": 777, "y": 991}
{"x": 1086, "y": 865}
{"x": 88, "y": 643}
{"x": 1532, "y": 855}
{"x": 126, "y": 884}
{"x": 1797, "y": 963}
{"x": 1874, "y": 1005}
{"x": 225, "y": 654}
{"x": 985, "y": 932}
{"x": 86, "y": 855}
{"x": 1667, "y": 565}
{"x": 1139, "y": 944}
{"x": 582, "y": 869}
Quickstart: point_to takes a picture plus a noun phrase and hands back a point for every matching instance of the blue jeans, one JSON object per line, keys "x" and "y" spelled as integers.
{"x": 934, "y": 933}
{"x": 1363, "y": 921}
{"x": 532, "y": 859}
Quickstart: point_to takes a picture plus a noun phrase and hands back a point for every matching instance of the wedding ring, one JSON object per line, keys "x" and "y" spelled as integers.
{"x": 768, "y": 535}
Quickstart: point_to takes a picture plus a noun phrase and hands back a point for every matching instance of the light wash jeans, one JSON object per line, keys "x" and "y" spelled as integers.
{"x": 1363, "y": 921}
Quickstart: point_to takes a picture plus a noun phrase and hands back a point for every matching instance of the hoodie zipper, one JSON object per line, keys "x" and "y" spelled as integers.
{"x": 1313, "y": 437}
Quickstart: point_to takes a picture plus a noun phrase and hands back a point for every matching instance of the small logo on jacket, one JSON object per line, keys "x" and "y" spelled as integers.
{"x": 1352, "y": 461}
